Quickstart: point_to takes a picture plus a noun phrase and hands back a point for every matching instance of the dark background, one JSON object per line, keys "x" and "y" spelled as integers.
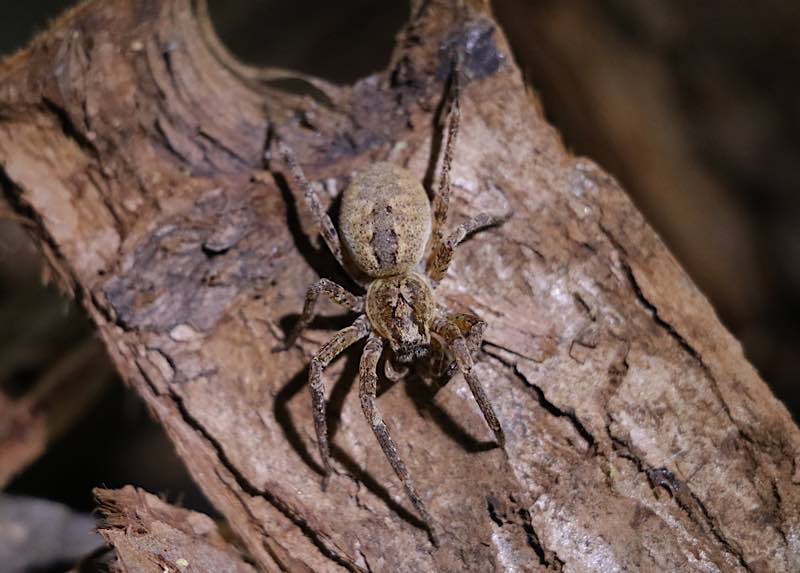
{"x": 694, "y": 106}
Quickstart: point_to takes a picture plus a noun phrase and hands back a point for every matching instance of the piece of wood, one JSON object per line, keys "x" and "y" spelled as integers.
{"x": 152, "y": 536}
{"x": 687, "y": 103}
{"x": 639, "y": 438}
{"x": 618, "y": 98}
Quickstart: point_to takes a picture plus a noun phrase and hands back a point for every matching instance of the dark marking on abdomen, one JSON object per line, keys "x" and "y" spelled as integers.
{"x": 384, "y": 237}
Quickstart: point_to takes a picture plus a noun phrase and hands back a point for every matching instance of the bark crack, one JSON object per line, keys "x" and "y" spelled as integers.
{"x": 366, "y": 561}
{"x": 667, "y": 327}
{"x": 776, "y": 494}
{"x": 513, "y": 514}
{"x": 68, "y": 127}
{"x": 678, "y": 490}
{"x": 550, "y": 407}
{"x": 321, "y": 541}
{"x": 688, "y": 348}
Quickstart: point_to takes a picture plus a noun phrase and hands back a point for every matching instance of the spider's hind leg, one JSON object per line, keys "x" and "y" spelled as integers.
{"x": 327, "y": 229}
{"x": 367, "y": 390}
{"x": 333, "y": 291}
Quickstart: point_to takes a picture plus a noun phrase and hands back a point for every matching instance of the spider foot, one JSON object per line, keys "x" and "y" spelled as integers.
{"x": 288, "y": 342}
{"x": 432, "y": 535}
{"x": 500, "y": 437}
{"x": 326, "y": 481}
{"x": 282, "y": 346}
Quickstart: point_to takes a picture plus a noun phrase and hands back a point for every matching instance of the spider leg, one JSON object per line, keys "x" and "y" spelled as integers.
{"x": 472, "y": 329}
{"x": 442, "y": 251}
{"x": 330, "y": 350}
{"x": 329, "y": 233}
{"x": 334, "y": 292}
{"x": 449, "y": 330}
{"x": 441, "y": 200}
{"x": 367, "y": 390}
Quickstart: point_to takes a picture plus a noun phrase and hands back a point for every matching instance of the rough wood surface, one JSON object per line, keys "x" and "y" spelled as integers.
{"x": 639, "y": 438}
{"x": 688, "y": 103}
{"x": 626, "y": 95}
{"x": 151, "y": 536}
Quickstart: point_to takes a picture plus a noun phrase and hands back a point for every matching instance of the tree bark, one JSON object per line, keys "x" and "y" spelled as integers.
{"x": 151, "y": 536}
{"x": 639, "y": 438}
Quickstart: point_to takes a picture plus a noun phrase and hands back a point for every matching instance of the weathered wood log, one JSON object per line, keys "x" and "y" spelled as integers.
{"x": 639, "y": 438}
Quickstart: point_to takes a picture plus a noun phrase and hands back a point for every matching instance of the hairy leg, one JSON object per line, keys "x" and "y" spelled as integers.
{"x": 333, "y": 291}
{"x": 330, "y": 350}
{"x": 329, "y": 233}
{"x": 442, "y": 251}
{"x": 441, "y": 200}
{"x": 472, "y": 329}
{"x": 449, "y": 330}
{"x": 367, "y": 390}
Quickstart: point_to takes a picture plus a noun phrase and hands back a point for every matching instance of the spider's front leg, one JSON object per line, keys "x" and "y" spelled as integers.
{"x": 472, "y": 329}
{"x": 367, "y": 391}
{"x": 334, "y": 292}
{"x": 448, "y": 329}
{"x": 441, "y": 199}
{"x": 340, "y": 342}
{"x": 443, "y": 245}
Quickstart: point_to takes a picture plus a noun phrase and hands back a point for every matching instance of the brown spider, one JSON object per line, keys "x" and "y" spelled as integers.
{"x": 386, "y": 223}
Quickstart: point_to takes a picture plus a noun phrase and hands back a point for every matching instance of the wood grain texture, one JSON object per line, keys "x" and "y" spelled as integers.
{"x": 639, "y": 438}
{"x": 151, "y": 536}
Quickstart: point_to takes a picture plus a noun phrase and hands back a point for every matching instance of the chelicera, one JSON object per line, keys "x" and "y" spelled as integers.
{"x": 386, "y": 224}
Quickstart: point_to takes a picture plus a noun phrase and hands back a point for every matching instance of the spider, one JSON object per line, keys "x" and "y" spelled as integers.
{"x": 386, "y": 221}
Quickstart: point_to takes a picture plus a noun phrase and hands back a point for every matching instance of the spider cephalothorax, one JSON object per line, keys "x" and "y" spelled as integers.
{"x": 386, "y": 223}
{"x": 401, "y": 310}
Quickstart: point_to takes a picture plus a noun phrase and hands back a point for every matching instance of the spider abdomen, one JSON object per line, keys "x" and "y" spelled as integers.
{"x": 385, "y": 220}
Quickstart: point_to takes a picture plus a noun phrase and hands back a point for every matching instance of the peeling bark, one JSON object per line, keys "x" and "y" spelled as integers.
{"x": 639, "y": 438}
{"x": 151, "y": 536}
